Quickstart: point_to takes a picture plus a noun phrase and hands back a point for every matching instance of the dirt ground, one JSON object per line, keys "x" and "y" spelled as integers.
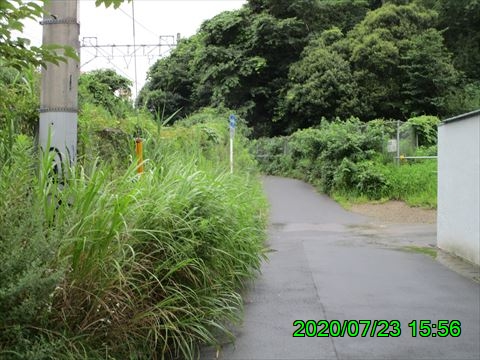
{"x": 396, "y": 212}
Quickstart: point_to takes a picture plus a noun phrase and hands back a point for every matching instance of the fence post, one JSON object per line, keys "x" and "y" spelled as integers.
{"x": 398, "y": 142}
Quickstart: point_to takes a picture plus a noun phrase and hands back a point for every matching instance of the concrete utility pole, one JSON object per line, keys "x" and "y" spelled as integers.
{"x": 58, "y": 100}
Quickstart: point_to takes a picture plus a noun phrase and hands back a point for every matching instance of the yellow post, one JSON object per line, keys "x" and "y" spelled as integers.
{"x": 139, "y": 152}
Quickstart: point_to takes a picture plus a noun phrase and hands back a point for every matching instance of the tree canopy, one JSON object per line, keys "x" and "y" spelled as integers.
{"x": 285, "y": 65}
{"x": 105, "y": 88}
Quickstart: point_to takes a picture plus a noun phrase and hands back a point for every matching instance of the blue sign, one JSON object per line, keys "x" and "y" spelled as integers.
{"x": 233, "y": 121}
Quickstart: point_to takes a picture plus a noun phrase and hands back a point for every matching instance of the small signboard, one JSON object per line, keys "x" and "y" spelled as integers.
{"x": 233, "y": 124}
{"x": 392, "y": 146}
{"x": 233, "y": 121}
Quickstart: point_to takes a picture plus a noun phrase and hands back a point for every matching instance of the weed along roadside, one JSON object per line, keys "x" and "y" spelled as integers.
{"x": 140, "y": 269}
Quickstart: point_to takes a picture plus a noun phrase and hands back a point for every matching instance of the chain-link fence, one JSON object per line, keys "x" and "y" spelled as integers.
{"x": 401, "y": 140}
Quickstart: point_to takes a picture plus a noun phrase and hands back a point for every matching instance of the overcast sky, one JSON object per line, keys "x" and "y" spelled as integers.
{"x": 153, "y": 19}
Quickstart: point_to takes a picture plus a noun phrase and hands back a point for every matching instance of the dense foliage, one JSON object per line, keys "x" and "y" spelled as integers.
{"x": 16, "y": 51}
{"x": 349, "y": 159}
{"x": 286, "y": 64}
{"x": 113, "y": 265}
{"x": 106, "y": 264}
{"x": 19, "y": 103}
{"x": 107, "y": 89}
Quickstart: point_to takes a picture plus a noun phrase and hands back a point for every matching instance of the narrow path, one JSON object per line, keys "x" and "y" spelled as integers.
{"x": 330, "y": 264}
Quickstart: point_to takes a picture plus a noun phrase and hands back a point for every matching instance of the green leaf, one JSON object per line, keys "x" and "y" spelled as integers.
{"x": 71, "y": 53}
{"x": 107, "y": 3}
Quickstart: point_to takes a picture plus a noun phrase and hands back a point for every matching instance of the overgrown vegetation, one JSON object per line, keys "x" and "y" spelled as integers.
{"x": 348, "y": 159}
{"x": 19, "y": 102}
{"x": 106, "y": 89}
{"x": 107, "y": 264}
{"x": 114, "y": 265}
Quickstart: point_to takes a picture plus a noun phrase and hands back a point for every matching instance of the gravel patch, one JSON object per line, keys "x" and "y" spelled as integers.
{"x": 396, "y": 212}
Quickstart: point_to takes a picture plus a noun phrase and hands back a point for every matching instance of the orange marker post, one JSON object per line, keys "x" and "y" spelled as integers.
{"x": 139, "y": 153}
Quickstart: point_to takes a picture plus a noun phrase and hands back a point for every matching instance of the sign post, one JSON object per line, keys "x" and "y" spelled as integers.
{"x": 233, "y": 124}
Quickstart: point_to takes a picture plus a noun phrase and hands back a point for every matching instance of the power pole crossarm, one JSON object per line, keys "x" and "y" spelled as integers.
{"x": 58, "y": 100}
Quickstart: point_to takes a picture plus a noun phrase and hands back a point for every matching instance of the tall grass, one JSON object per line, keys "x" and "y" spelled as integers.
{"x": 414, "y": 182}
{"x": 134, "y": 267}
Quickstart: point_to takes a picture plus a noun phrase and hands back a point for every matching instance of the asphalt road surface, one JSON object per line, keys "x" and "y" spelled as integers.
{"x": 329, "y": 264}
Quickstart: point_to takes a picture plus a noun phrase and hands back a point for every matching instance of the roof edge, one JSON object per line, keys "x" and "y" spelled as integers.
{"x": 462, "y": 116}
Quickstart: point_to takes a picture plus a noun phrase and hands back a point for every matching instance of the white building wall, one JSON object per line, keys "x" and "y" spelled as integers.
{"x": 458, "y": 222}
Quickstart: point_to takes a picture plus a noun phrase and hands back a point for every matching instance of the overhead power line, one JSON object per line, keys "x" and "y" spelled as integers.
{"x": 110, "y": 62}
{"x": 138, "y": 23}
{"x": 128, "y": 51}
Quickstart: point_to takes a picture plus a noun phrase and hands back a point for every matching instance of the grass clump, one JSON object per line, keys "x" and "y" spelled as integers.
{"x": 432, "y": 252}
{"x": 116, "y": 266}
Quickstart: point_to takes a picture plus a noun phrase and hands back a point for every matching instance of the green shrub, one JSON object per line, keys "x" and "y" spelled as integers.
{"x": 316, "y": 154}
{"x": 347, "y": 158}
{"x": 365, "y": 178}
{"x": 425, "y": 128}
{"x": 114, "y": 265}
{"x": 371, "y": 181}
{"x": 271, "y": 155}
{"x": 415, "y": 182}
{"x": 30, "y": 271}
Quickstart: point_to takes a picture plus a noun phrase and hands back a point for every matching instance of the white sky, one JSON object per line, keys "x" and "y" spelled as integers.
{"x": 153, "y": 19}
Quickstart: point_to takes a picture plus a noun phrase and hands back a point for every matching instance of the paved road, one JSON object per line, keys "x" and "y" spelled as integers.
{"x": 330, "y": 264}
